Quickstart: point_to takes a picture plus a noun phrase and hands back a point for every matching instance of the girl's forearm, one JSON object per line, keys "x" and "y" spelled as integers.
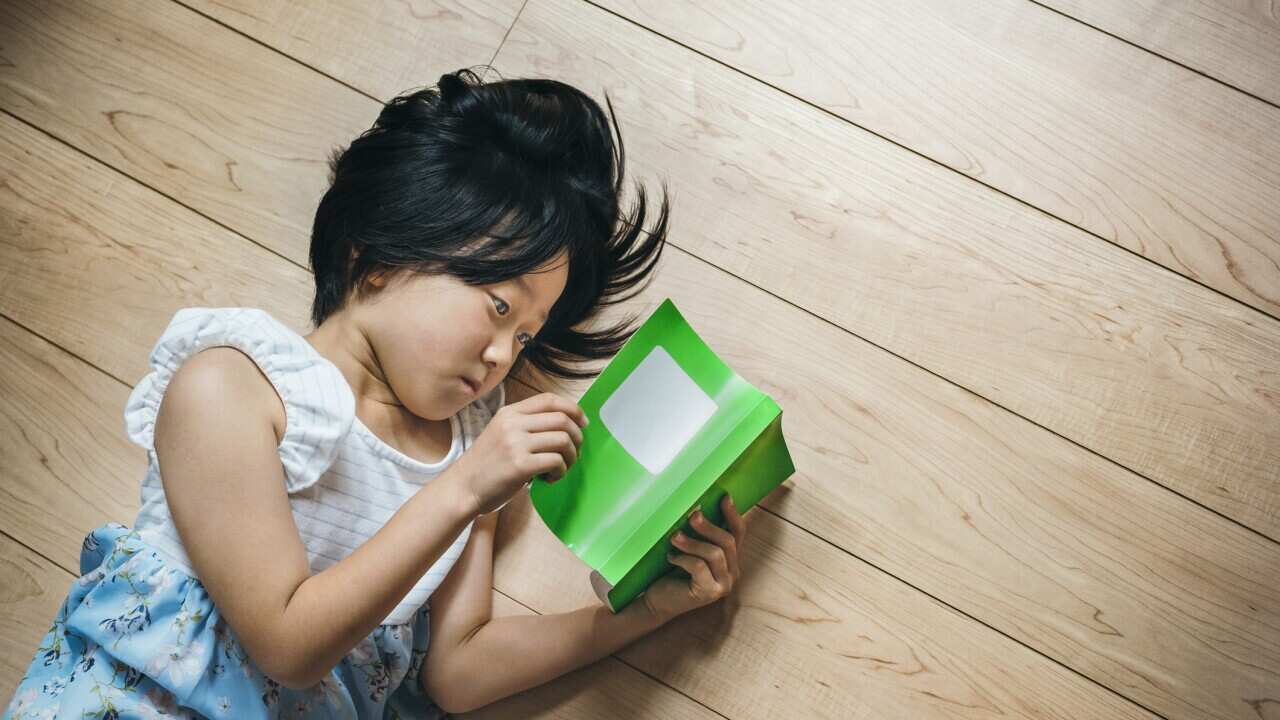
{"x": 332, "y": 611}
{"x": 511, "y": 654}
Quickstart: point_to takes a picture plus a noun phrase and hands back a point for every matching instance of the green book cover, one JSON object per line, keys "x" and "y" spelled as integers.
{"x": 671, "y": 428}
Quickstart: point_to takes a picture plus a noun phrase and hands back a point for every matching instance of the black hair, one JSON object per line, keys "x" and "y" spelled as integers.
{"x": 488, "y": 181}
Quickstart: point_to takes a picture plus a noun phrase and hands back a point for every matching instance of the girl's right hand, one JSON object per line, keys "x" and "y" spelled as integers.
{"x": 538, "y": 435}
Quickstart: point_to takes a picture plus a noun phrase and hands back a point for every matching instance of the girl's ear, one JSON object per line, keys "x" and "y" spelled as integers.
{"x": 380, "y": 277}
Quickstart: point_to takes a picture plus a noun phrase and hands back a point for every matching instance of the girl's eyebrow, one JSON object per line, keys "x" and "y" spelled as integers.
{"x": 528, "y": 293}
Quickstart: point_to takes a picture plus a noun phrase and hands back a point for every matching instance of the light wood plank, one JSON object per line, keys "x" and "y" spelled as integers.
{"x": 810, "y": 632}
{"x": 68, "y": 466}
{"x": 127, "y": 201}
{"x": 1154, "y": 372}
{"x": 31, "y": 592}
{"x": 1235, "y": 42}
{"x": 1160, "y": 375}
{"x": 1165, "y": 162}
{"x": 345, "y": 39}
{"x": 885, "y": 649}
{"x": 146, "y": 87}
{"x": 1108, "y": 573}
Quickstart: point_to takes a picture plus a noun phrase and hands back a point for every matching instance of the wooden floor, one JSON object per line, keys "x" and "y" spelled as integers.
{"x": 1011, "y": 268}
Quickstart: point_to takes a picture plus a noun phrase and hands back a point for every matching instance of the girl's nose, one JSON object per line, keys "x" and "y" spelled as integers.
{"x": 499, "y": 353}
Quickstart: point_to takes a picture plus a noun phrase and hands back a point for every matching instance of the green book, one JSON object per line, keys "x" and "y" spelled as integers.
{"x": 671, "y": 428}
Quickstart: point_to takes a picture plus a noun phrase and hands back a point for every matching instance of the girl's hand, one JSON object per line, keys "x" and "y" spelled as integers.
{"x": 712, "y": 564}
{"x": 540, "y": 434}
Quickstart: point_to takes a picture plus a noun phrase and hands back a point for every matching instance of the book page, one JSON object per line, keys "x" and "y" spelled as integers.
{"x": 656, "y": 411}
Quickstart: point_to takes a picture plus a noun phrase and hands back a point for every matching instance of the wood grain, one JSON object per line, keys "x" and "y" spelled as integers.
{"x": 346, "y": 40}
{"x": 1056, "y": 562}
{"x": 1161, "y": 375}
{"x": 1141, "y": 152}
{"x": 1108, "y": 573}
{"x": 31, "y": 591}
{"x": 68, "y": 466}
{"x": 1237, "y": 42}
{"x": 183, "y": 104}
{"x": 964, "y": 568}
{"x": 810, "y": 632}
{"x": 885, "y": 649}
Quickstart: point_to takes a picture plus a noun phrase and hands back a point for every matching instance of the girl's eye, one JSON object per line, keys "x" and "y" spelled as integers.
{"x": 503, "y": 309}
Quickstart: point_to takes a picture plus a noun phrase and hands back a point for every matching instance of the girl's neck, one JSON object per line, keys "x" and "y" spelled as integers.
{"x": 341, "y": 341}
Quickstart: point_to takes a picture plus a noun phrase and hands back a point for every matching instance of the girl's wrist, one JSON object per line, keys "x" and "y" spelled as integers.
{"x": 453, "y": 484}
{"x": 658, "y": 616}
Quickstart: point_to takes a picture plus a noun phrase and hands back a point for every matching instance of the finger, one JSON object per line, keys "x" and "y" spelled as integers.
{"x": 697, "y": 570}
{"x": 718, "y": 535}
{"x": 550, "y": 465}
{"x": 543, "y": 422}
{"x": 548, "y": 402}
{"x": 737, "y": 523}
{"x": 713, "y": 555}
{"x": 556, "y": 440}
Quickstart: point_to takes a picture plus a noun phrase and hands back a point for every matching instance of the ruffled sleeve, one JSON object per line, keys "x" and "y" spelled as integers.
{"x": 318, "y": 403}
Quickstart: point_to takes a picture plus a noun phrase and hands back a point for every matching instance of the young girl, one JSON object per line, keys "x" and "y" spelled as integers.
{"x": 307, "y": 496}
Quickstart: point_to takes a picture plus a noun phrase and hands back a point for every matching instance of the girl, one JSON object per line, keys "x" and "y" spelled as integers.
{"x": 307, "y": 496}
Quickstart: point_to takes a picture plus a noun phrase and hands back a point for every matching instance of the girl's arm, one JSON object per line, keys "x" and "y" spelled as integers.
{"x": 511, "y": 654}
{"x": 215, "y": 439}
{"x": 475, "y": 659}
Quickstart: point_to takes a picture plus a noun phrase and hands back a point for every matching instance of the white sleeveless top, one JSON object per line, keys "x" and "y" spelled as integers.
{"x": 344, "y": 483}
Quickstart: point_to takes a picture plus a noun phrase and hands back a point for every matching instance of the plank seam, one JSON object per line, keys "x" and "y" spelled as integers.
{"x": 984, "y": 398}
{"x": 148, "y": 186}
{"x": 713, "y": 265}
{"x": 933, "y": 597}
{"x": 1148, "y": 50}
{"x": 744, "y": 280}
{"x": 39, "y": 554}
{"x": 282, "y": 54}
{"x": 939, "y": 163}
{"x": 502, "y": 42}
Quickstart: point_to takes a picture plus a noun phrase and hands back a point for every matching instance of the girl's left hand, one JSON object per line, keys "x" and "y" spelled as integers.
{"x": 712, "y": 563}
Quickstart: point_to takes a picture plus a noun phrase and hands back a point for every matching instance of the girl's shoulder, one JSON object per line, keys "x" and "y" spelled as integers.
{"x": 318, "y": 404}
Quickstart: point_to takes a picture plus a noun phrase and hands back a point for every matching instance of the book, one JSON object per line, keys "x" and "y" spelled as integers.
{"x": 671, "y": 428}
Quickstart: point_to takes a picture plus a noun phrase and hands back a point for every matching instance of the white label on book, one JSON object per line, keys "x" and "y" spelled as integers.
{"x": 656, "y": 411}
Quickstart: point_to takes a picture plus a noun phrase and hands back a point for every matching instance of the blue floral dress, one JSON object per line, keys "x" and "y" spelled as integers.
{"x": 138, "y": 639}
{"x": 138, "y": 635}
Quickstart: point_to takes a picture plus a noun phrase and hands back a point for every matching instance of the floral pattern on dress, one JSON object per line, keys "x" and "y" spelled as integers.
{"x": 138, "y": 638}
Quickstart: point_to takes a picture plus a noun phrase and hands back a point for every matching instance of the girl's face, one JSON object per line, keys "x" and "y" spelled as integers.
{"x": 429, "y": 334}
